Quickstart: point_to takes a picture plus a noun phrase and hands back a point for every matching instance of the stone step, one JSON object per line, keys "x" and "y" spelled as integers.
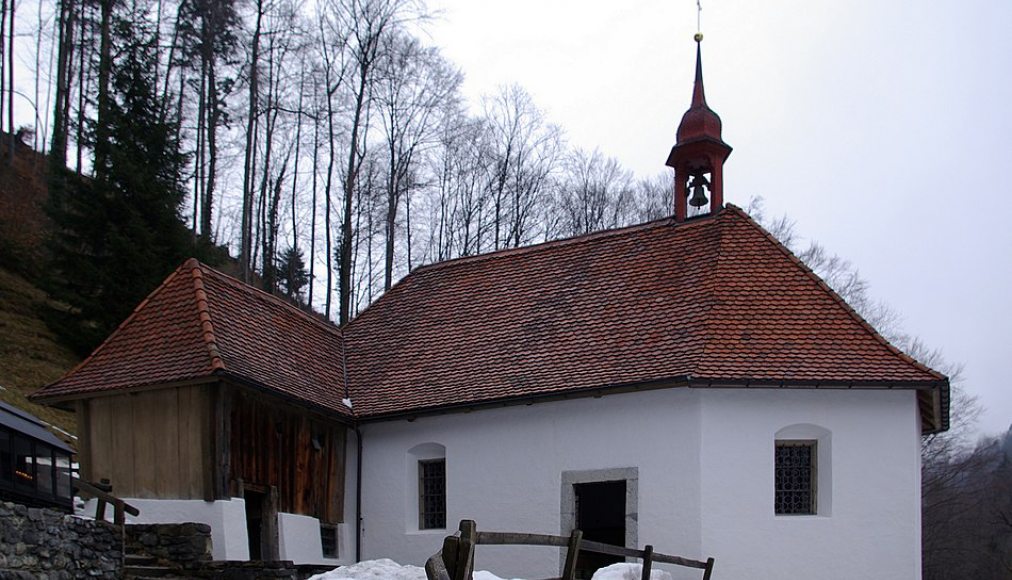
{"x": 132, "y": 571}
{"x": 140, "y": 560}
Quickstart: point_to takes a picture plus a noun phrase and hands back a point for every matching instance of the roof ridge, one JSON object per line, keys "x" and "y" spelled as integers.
{"x": 462, "y": 260}
{"x": 864, "y": 324}
{"x": 589, "y": 236}
{"x": 262, "y": 295}
{"x": 120, "y": 326}
{"x": 204, "y": 314}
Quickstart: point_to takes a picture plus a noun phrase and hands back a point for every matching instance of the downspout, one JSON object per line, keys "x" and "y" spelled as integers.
{"x": 358, "y": 454}
{"x": 358, "y": 495}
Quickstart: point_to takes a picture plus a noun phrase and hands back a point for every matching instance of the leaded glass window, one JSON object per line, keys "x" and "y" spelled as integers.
{"x": 794, "y": 476}
{"x": 432, "y": 494}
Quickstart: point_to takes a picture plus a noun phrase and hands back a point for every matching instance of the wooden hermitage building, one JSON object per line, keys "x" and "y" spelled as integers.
{"x": 211, "y": 390}
{"x": 686, "y": 383}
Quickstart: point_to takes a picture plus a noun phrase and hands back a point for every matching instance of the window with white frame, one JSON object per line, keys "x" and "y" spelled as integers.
{"x": 426, "y": 489}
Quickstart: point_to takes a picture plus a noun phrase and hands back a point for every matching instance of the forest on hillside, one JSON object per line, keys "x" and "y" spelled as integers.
{"x": 322, "y": 150}
{"x": 326, "y": 145}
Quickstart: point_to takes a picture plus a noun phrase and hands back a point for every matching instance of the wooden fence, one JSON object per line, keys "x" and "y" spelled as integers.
{"x": 456, "y": 560}
{"x": 103, "y": 492}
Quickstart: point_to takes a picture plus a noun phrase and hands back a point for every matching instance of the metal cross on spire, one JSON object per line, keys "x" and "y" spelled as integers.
{"x": 699, "y": 20}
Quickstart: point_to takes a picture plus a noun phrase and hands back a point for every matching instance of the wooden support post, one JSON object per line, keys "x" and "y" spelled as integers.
{"x": 100, "y": 510}
{"x": 465, "y": 550}
{"x": 708, "y": 570}
{"x": 572, "y": 554}
{"x": 648, "y": 555}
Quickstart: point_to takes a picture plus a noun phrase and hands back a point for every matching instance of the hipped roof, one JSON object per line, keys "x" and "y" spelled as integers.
{"x": 201, "y": 324}
{"x": 714, "y": 301}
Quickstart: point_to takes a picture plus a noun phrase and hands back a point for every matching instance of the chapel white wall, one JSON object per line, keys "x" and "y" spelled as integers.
{"x": 504, "y": 470}
{"x": 705, "y": 479}
{"x": 873, "y": 529}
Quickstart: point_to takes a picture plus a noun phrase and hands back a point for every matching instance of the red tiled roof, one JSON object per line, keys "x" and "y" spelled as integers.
{"x": 714, "y": 300}
{"x": 711, "y": 301}
{"x": 201, "y": 323}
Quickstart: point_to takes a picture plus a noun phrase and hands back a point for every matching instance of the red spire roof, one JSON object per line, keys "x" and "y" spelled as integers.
{"x": 699, "y": 122}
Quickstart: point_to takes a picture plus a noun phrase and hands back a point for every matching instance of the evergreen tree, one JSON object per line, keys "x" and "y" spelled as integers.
{"x": 292, "y": 275}
{"x": 119, "y": 234}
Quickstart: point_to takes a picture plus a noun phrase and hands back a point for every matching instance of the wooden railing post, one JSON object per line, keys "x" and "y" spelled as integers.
{"x": 435, "y": 568}
{"x": 451, "y": 545}
{"x": 708, "y": 570}
{"x": 105, "y": 486}
{"x": 465, "y": 549}
{"x": 572, "y": 554}
{"x": 648, "y": 555}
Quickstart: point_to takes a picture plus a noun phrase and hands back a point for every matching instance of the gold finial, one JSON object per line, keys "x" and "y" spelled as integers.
{"x": 698, "y": 37}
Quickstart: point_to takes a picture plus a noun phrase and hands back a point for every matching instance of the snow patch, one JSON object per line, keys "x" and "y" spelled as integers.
{"x": 625, "y": 571}
{"x": 387, "y": 570}
{"x": 373, "y": 570}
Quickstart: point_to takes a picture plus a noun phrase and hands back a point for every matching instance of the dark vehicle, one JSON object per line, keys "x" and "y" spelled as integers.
{"x": 34, "y": 463}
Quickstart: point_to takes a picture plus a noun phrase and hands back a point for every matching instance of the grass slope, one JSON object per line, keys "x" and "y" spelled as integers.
{"x": 30, "y": 355}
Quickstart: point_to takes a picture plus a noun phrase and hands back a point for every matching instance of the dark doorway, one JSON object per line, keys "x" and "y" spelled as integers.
{"x": 255, "y": 502}
{"x": 600, "y": 513}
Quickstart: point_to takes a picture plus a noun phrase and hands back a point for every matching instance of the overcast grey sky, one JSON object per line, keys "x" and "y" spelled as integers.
{"x": 883, "y": 128}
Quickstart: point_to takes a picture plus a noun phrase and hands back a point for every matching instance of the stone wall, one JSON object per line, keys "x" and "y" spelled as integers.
{"x": 50, "y": 545}
{"x": 182, "y": 545}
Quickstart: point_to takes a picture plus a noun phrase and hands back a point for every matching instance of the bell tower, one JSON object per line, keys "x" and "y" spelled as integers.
{"x": 699, "y": 152}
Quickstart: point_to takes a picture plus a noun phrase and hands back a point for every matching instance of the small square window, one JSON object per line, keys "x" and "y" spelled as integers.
{"x": 794, "y": 477}
{"x": 328, "y": 537}
{"x": 432, "y": 494}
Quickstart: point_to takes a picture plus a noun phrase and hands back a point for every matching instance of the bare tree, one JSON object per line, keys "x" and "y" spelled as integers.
{"x": 594, "y": 193}
{"x": 526, "y": 150}
{"x": 415, "y": 85}
{"x": 207, "y": 32}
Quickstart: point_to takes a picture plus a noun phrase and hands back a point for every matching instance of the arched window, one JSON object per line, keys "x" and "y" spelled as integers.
{"x": 802, "y": 471}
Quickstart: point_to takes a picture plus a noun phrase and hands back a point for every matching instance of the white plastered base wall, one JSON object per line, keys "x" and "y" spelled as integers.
{"x": 227, "y": 519}
{"x": 298, "y": 536}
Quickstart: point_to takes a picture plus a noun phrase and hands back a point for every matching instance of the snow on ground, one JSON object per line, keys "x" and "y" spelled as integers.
{"x": 386, "y": 569}
{"x": 373, "y": 570}
{"x": 628, "y": 572}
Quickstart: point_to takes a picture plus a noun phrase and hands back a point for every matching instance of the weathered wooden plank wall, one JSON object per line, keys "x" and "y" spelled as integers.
{"x": 300, "y": 453}
{"x": 149, "y": 444}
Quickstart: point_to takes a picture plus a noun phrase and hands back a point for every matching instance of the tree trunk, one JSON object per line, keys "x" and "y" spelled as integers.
{"x": 247, "y": 179}
{"x": 10, "y": 76}
{"x": 82, "y": 88}
{"x": 213, "y": 120}
{"x": 351, "y": 178}
{"x": 104, "y": 73}
{"x": 65, "y": 35}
